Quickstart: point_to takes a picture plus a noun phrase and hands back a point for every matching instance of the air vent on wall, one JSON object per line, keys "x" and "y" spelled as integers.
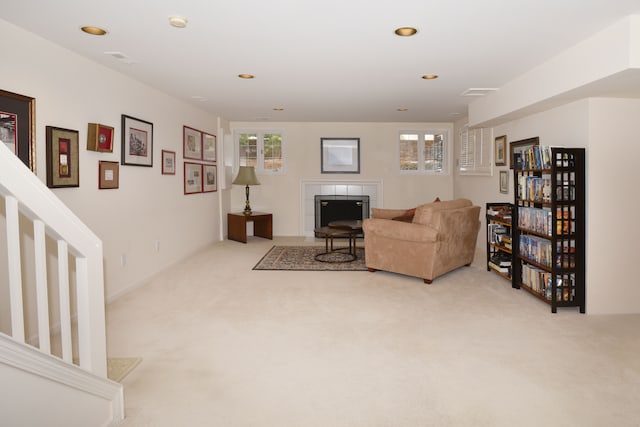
{"x": 478, "y": 91}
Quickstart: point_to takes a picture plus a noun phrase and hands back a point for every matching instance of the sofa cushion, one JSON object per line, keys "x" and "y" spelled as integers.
{"x": 424, "y": 213}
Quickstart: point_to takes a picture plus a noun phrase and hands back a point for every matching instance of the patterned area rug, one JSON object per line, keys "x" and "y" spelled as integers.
{"x": 302, "y": 258}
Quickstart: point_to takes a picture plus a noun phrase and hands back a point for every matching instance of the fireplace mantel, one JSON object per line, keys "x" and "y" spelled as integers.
{"x": 309, "y": 188}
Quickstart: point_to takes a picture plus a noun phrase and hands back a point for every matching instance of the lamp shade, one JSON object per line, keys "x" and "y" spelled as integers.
{"x": 246, "y": 176}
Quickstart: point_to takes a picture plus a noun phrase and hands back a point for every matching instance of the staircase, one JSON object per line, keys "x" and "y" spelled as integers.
{"x": 52, "y": 320}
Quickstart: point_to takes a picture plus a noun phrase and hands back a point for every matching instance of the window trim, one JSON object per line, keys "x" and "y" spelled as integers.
{"x": 446, "y": 149}
{"x": 260, "y": 132}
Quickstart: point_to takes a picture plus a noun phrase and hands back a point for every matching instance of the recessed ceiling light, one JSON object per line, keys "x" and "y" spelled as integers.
{"x": 278, "y": 109}
{"x": 178, "y": 21}
{"x": 405, "y": 31}
{"x": 403, "y": 109}
{"x": 246, "y": 76}
{"x": 94, "y": 31}
{"x": 430, "y": 76}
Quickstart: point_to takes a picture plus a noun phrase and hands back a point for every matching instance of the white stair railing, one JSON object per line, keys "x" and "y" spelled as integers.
{"x": 27, "y": 198}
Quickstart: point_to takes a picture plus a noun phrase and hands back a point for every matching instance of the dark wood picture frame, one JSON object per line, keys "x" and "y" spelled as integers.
{"x": 17, "y": 119}
{"x": 340, "y": 155}
{"x": 168, "y": 162}
{"x": 100, "y": 138}
{"x": 63, "y": 165}
{"x": 192, "y": 178}
{"x": 500, "y": 150}
{"x": 109, "y": 175}
{"x": 137, "y": 142}
{"x": 191, "y": 143}
{"x": 209, "y": 146}
{"x": 209, "y": 178}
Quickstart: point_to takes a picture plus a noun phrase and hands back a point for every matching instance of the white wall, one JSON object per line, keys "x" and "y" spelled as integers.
{"x": 607, "y": 129}
{"x": 71, "y": 92}
{"x": 613, "y": 206}
{"x": 280, "y": 194}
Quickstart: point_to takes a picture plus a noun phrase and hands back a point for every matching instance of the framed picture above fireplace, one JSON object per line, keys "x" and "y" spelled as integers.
{"x": 340, "y": 155}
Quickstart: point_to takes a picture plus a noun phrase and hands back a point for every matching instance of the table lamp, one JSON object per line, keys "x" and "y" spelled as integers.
{"x": 246, "y": 176}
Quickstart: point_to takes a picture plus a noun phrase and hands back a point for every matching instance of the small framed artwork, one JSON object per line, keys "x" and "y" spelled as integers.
{"x": 168, "y": 162}
{"x": 209, "y": 178}
{"x": 17, "y": 126}
{"x": 137, "y": 142}
{"x": 62, "y": 158}
{"x": 340, "y": 155}
{"x": 208, "y": 147}
{"x": 109, "y": 175}
{"x": 504, "y": 182}
{"x": 192, "y": 178}
{"x": 501, "y": 150}
{"x": 192, "y": 143}
{"x": 100, "y": 138}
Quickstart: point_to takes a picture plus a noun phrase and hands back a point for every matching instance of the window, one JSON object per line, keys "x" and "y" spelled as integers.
{"x": 263, "y": 150}
{"x": 476, "y": 148}
{"x": 422, "y": 151}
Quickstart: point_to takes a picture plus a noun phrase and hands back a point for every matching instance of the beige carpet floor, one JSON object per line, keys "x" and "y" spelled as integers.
{"x": 225, "y": 345}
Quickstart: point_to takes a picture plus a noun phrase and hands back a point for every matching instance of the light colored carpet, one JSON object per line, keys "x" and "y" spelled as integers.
{"x": 120, "y": 367}
{"x": 303, "y": 258}
{"x": 226, "y": 345}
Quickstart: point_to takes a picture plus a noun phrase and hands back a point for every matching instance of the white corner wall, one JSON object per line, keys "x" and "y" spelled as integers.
{"x": 149, "y": 208}
{"x": 613, "y": 206}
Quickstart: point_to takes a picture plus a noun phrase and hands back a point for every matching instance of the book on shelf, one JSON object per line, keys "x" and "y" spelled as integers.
{"x": 503, "y": 270}
{"x": 501, "y": 259}
{"x": 500, "y": 212}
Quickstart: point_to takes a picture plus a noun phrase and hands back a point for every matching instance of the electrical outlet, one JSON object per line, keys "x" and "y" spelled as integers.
{"x": 123, "y": 260}
{"x": 157, "y": 245}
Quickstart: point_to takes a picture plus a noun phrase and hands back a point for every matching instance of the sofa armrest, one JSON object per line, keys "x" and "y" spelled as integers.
{"x": 399, "y": 230}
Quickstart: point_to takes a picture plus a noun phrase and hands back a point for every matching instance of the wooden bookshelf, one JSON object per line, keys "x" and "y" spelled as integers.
{"x": 549, "y": 232}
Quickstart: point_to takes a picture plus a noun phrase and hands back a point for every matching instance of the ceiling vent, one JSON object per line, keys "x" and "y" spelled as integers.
{"x": 478, "y": 91}
{"x": 121, "y": 57}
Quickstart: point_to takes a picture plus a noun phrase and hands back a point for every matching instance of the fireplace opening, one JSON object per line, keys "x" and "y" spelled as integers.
{"x": 335, "y": 208}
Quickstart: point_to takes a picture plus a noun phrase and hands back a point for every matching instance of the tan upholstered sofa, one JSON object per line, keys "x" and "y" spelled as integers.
{"x": 440, "y": 237}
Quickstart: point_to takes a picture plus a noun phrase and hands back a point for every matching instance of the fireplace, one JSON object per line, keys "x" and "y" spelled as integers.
{"x": 333, "y": 208}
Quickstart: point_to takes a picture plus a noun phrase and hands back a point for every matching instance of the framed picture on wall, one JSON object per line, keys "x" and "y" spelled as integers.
{"x": 504, "y": 182}
{"x": 208, "y": 147}
{"x": 192, "y": 143}
{"x": 340, "y": 155}
{"x": 209, "y": 178}
{"x": 62, "y": 158}
{"x": 501, "y": 150}
{"x": 137, "y": 142}
{"x": 17, "y": 126}
{"x": 192, "y": 178}
{"x": 99, "y": 138}
{"x": 168, "y": 162}
{"x": 109, "y": 175}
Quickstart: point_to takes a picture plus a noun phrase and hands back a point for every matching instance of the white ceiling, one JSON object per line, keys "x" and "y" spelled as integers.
{"x": 325, "y": 60}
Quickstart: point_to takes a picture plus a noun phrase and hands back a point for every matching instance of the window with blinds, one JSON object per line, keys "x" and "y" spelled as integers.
{"x": 476, "y": 149}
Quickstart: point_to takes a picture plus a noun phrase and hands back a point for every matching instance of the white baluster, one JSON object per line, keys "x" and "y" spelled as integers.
{"x": 65, "y": 307}
{"x": 15, "y": 272}
{"x": 42, "y": 294}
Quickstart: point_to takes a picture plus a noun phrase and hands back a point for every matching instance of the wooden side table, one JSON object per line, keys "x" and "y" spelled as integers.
{"x": 237, "y": 225}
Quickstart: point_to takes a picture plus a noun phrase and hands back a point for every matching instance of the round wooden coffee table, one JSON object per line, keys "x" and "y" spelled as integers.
{"x": 331, "y": 254}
